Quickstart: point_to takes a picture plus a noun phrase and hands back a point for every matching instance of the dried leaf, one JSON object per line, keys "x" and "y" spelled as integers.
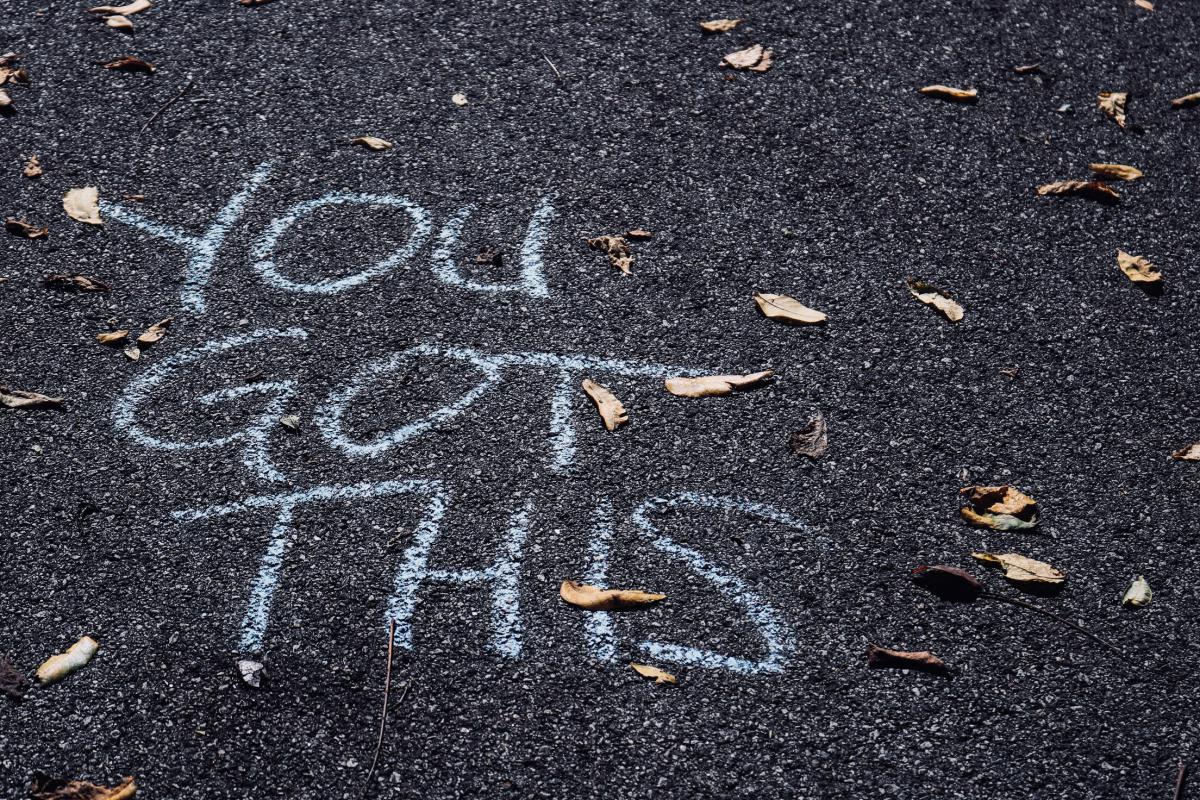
{"x": 720, "y": 25}
{"x": 1189, "y": 453}
{"x": 1092, "y": 190}
{"x": 1138, "y": 594}
{"x": 611, "y": 410}
{"x": 1001, "y": 508}
{"x": 112, "y": 337}
{"x": 883, "y": 657}
{"x": 290, "y": 421}
{"x": 1187, "y": 101}
{"x": 19, "y": 227}
{"x": 491, "y": 257}
{"x": 1027, "y": 69}
{"x": 129, "y": 64}
{"x": 9, "y": 58}
{"x": 251, "y": 672}
{"x": 136, "y": 7}
{"x": 1146, "y": 4}
{"x": 132, "y": 352}
{"x": 44, "y": 787}
{"x": 372, "y": 142}
{"x": 33, "y": 168}
{"x": 933, "y": 296}
{"x": 638, "y": 234}
{"x": 12, "y": 682}
{"x": 19, "y": 398}
{"x": 755, "y": 58}
{"x": 119, "y": 23}
{"x": 155, "y": 332}
{"x": 593, "y": 598}
{"x": 75, "y": 283}
{"x": 786, "y": 309}
{"x": 617, "y": 249}
{"x": 60, "y": 666}
{"x": 5, "y": 100}
{"x": 459, "y": 99}
{"x": 1113, "y": 104}
{"x": 83, "y": 205}
{"x": 647, "y": 671}
{"x": 1122, "y": 172}
{"x": 714, "y": 385}
{"x": 1138, "y": 269}
{"x": 253, "y": 2}
{"x": 950, "y": 93}
{"x": 1022, "y": 569}
{"x": 948, "y": 583}
{"x": 812, "y": 440}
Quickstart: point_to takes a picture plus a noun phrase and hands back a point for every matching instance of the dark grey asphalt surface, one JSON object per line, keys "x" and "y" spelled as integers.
{"x": 828, "y": 178}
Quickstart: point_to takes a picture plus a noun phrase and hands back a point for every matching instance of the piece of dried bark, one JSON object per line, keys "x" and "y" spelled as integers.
{"x": 647, "y": 671}
{"x": 715, "y": 385}
{"x": 12, "y": 683}
{"x": 884, "y": 657}
{"x": 1138, "y": 594}
{"x": 43, "y": 787}
{"x": 1138, "y": 269}
{"x": 82, "y": 204}
{"x": 933, "y": 296}
{"x": 33, "y": 168}
{"x": 112, "y": 337}
{"x": 1189, "y": 453}
{"x": 720, "y": 25}
{"x": 812, "y": 440}
{"x": 1122, "y": 172}
{"x": 136, "y": 7}
{"x": 617, "y": 249}
{"x": 155, "y": 332}
{"x": 19, "y": 398}
{"x": 755, "y": 58}
{"x": 782, "y": 308}
{"x": 1022, "y": 569}
{"x": 75, "y": 283}
{"x": 19, "y": 227}
{"x": 948, "y": 583}
{"x": 950, "y": 93}
{"x": 638, "y": 234}
{"x": 1001, "y": 508}
{"x": 1113, "y": 104}
{"x": 1092, "y": 190}
{"x": 1187, "y": 101}
{"x": 129, "y": 64}
{"x": 59, "y": 666}
{"x": 612, "y": 412}
{"x": 372, "y": 142}
{"x": 593, "y": 598}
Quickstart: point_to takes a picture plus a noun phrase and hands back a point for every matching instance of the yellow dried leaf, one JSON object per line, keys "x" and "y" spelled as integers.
{"x": 1137, "y": 268}
{"x": 950, "y": 93}
{"x": 647, "y": 671}
{"x": 60, "y": 666}
{"x": 372, "y": 142}
{"x": 755, "y": 58}
{"x": 593, "y": 598}
{"x": 1022, "y": 569}
{"x": 619, "y": 254}
{"x": 33, "y": 168}
{"x": 111, "y": 337}
{"x": 610, "y": 408}
{"x": 1122, "y": 172}
{"x": 720, "y": 25}
{"x": 44, "y": 787}
{"x": 1138, "y": 594}
{"x": 1093, "y": 190}
{"x": 1189, "y": 453}
{"x": 933, "y": 296}
{"x": 786, "y": 309}
{"x": 1113, "y": 104}
{"x": 713, "y": 385}
{"x": 1187, "y": 101}
{"x": 155, "y": 332}
{"x": 136, "y": 7}
{"x": 1001, "y": 508}
{"x": 83, "y": 205}
{"x": 119, "y": 22}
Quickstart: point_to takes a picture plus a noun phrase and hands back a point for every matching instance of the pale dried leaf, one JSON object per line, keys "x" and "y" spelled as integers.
{"x": 60, "y": 666}
{"x": 1187, "y": 101}
{"x": 1189, "y": 453}
{"x": 1092, "y": 190}
{"x": 458, "y": 99}
{"x": 1122, "y": 172}
{"x": 5, "y": 100}
{"x": 251, "y": 672}
{"x": 720, "y": 25}
{"x": 136, "y": 7}
{"x": 786, "y": 309}
{"x": 647, "y": 671}
{"x": 33, "y": 168}
{"x": 44, "y": 787}
{"x": 617, "y": 249}
{"x": 133, "y": 352}
{"x": 1022, "y": 569}
{"x": 129, "y": 64}
{"x": 638, "y": 234}
{"x": 1138, "y": 594}
{"x": 19, "y": 398}
{"x": 155, "y": 332}
{"x": 75, "y": 283}
{"x": 1146, "y": 4}
{"x": 714, "y": 385}
{"x": 933, "y": 296}
{"x": 950, "y": 93}
{"x": 882, "y": 657}
{"x": 755, "y": 58}
{"x": 1113, "y": 104}
{"x": 372, "y": 142}
{"x": 290, "y": 421}
{"x": 812, "y": 440}
{"x": 19, "y": 227}
{"x": 612, "y": 412}
{"x": 593, "y": 598}
{"x": 83, "y": 205}
{"x": 1001, "y": 508}
{"x": 119, "y": 23}
{"x": 1138, "y": 269}
{"x": 112, "y": 337}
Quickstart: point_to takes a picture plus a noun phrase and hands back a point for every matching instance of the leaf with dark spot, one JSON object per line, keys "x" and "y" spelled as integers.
{"x": 948, "y": 583}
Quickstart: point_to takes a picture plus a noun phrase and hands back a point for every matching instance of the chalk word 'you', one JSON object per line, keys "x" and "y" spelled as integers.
{"x": 201, "y": 248}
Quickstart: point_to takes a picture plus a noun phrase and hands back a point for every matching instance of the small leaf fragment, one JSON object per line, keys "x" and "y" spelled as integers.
{"x": 1022, "y": 569}
{"x": 1144, "y": 4}
{"x": 1138, "y": 594}
{"x": 19, "y": 398}
{"x": 372, "y": 142}
{"x": 155, "y": 333}
{"x": 5, "y": 101}
{"x": 112, "y": 337}
{"x": 617, "y": 249}
{"x": 950, "y": 93}
{"x": 83, "y": 205}
{"x": 1187, "y": 101}
{"x": 136, "y": 7}
{"x": 884, "y": 657}
{"x": 612, "y": 412}
{"x": 43, "y": 787}
{"x": 75, "y": 283}
{"x": 19, "y": 227}
{"x": 755, "y": 58}
{"x": 1092, "y": 190}
{"x": 647, "y": 671}
{"x": 720, "y": 25}
{"x": 948, "y": 583}
{"x": 129, "y": 64}
{"x": 932, "y": 296}
{"x": 119, "y": 22}
{"x": 1138, "y": 269}
{"x": 812, "y": 440}
{"x": 1001, "y": 508}
{"x": 251, "y": 672}
{"x": 33, "y": 168}
{"x": 714, "y": 385}
{"x": 1189, "y": 453}
{"x": 638, "y": 234}
{"x": 1122, "y": 172}
{"x": 1027, "y": 69}
{"x": 459, "y": 99}
{"x": 1113, "y": 104}
{"x": 786, "y": 309}
{"x": 133, "y": 352}
{"x": 13, "y": 684}
{"x": 60, "y": 666}
{"x": 593, "y": 598}
{"x": 290, "y": 421}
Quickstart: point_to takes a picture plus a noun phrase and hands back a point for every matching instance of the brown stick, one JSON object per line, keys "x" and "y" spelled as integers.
{"x": 1018, "y": 602}
{"x": 387, "y": 688}
{"x": 1181, "y": 780}
{"x": 187, "y": 88}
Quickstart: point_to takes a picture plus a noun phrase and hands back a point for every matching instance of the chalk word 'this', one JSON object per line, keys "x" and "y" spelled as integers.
{"x": 201, "y": 249}
{"x": 330, "y": 416}
{"x": 501, "y": 576}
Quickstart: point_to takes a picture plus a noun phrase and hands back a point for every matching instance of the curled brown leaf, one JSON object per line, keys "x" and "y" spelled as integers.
{"x": 19, "y": 227}
{"x": 1189, "y": 453}
{"x": 612, "y": 412}
{"x": 155, "y": 332}
{"x": 372, "y": 142}
{"x": 593, "y": 598}
{"x": 43, "y": 787}
{"x": 714, "y": 385}
{"x": 932, "y": 296}
{"x": 950, "y": 93}
{"x": 75, "y": 283}
{"x": 129, "y": 64}
{"x": 883, "y": 657}
{"x": 1187, "y": 101}
{"x": 1092, "y": 190}
{"x": 1122, "y": 172}
{"x": 1113, "y": 104}
{"x": 617, "y": 249}
{"x": 1001, "y": 508}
